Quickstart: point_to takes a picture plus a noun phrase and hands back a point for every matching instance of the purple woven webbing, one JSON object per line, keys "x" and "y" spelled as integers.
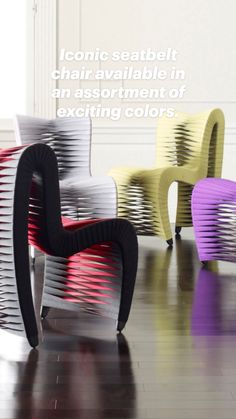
{"x": 214, "y": 219}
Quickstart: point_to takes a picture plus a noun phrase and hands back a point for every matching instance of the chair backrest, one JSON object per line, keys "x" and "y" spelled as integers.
{"x": 192, "y": 140}
{"x": 40, "y": 222}
{"x": 70, "y": 138}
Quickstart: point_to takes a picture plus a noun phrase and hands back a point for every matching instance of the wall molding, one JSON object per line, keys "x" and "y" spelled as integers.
{"x": 118, "y": 135}
{"x": 45, "y": 47}
{"x": 136, "y": 135}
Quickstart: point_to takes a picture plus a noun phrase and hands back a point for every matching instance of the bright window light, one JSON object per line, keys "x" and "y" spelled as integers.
{"x": 13, "y": 57}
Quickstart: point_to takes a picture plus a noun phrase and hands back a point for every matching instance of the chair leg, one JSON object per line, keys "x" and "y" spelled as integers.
{"x": 184, "y": 214}
{"x": 129, "y": 250}
{"x": 120, "y": 326}
{"x": 44, "y": 312}
{"x": 178, "y": 230}
{"x": 32, "y": 254}
{"x": 157, "y": 194}
{"x": 204, "y": 263}
{"x": 23, "y": 279}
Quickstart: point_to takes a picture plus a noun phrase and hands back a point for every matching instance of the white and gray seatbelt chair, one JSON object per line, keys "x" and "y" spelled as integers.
{"x": 83, "y": 196}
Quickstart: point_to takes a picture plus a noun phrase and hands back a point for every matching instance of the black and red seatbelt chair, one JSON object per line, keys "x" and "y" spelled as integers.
{"x": 90, "y": 265}
{"x": 83, "y": 196}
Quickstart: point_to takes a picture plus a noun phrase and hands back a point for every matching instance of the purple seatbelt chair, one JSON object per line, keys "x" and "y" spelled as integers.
{"x": 214, "y": 219}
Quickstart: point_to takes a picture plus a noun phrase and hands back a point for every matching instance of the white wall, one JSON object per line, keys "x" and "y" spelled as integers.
{"x": 203, "y": 33}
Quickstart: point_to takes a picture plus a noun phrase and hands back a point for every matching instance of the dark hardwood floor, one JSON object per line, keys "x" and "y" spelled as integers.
{"x": 175, "y": 360}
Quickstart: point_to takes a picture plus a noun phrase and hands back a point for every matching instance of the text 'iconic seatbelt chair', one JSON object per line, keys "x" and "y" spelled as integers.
{"x": 214, "y": 219}
{"x": 90, "y": 265}
{"x": 189, "y": 147}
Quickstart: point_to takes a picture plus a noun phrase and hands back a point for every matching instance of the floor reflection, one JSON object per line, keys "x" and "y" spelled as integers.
{"x": 162, "y": 265}
{"x": 169, "y": 278}
{"x": 179, "y": 363}
{"x": 25, "y": 397}
{"x": 96, "y": 376}
{"x": 186, "y": 261}
{"x": 214, "y": 303}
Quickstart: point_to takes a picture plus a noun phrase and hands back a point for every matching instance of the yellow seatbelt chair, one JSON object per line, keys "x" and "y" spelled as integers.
{"x": 189, "y": 148}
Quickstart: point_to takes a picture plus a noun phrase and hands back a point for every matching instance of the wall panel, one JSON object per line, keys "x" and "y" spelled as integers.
{"x": 201, "y": 31}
